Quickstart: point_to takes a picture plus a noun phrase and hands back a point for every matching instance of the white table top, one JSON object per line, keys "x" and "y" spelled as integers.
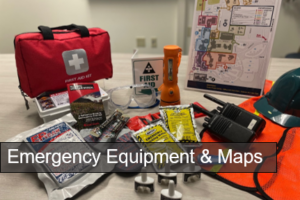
{"x": 14, "y": 119}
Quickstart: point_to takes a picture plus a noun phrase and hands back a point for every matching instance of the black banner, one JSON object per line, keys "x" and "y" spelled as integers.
{"x": 160, "y": 157}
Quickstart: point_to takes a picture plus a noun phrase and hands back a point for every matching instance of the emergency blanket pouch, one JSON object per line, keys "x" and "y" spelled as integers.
{"x": 50, "y": 59}
{"x": 58, "y": 133}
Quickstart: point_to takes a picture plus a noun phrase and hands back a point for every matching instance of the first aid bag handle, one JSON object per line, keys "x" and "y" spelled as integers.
{"x": 47, "y": 32}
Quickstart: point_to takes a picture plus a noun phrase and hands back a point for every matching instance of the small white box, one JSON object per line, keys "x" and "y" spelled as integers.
{"x": 57, "y": 112}
{"x": 147, "y": 70}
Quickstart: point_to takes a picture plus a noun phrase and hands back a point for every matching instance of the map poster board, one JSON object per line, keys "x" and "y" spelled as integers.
{"x": 231, "y": 45}
{"x": 147, "y": 70}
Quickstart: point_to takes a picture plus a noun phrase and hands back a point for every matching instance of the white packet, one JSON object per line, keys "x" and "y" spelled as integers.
{"x": 65, "y": 189}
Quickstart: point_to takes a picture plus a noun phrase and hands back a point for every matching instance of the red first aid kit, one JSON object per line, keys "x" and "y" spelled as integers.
{"x": 54, "y": 57}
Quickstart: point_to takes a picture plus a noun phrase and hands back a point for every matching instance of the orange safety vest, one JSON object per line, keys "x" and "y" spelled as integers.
{"x": 281, "y": 185}
{"x": 285, "y": 183}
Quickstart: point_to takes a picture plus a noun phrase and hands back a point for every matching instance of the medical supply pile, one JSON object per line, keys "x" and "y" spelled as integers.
{"x": 95, "y": 128}
{"x": 113, "y": 129}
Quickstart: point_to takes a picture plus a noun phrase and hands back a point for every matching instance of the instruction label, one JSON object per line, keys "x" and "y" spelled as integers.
{"x": 60, "y": 99}
{"x": 148, "y": 71}
{"x": 252, "y": 15}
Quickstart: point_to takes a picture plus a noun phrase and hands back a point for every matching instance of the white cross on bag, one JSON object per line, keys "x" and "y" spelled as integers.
{"x": 76, "y": 61}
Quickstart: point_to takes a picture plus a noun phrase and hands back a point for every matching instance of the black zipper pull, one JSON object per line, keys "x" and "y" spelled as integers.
{"x": 24, "y": 96}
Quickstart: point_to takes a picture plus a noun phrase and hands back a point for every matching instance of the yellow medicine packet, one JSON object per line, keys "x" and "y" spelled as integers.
{"x": 156, "y": 138}
{"x": 156, "y": 132}
{"x": 180, "y": 121}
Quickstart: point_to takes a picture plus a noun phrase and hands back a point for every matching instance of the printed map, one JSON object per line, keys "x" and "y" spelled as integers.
{"x": 231, "y": 45}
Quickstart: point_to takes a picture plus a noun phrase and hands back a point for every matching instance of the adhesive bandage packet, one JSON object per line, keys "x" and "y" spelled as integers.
{"x": 180, "y": 121}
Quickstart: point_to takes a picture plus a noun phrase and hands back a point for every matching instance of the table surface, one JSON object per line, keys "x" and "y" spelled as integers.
{"x": 14, "y": 119}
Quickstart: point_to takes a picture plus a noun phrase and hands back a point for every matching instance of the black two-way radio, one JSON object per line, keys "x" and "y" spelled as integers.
{"x": 224, "y": 128}
{"x": 239, "y": 115}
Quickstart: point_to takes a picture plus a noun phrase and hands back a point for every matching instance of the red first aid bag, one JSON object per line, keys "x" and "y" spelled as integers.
{"x": 54, "y": 57}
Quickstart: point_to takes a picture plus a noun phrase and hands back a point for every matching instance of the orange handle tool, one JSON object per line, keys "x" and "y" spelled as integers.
{"x": 170, "y": 94}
